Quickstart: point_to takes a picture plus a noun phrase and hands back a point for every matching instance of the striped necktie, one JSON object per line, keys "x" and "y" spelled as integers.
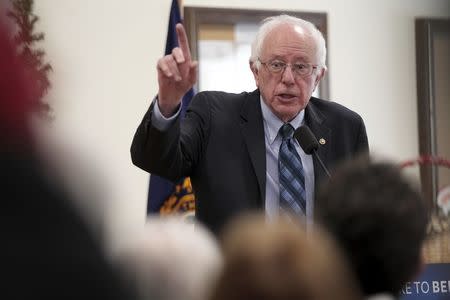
{"x": 292, "y": 178}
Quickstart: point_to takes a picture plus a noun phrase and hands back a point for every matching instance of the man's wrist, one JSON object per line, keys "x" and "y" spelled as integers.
{"x": 167, "y": 111}
{"x": 160, "y": 121}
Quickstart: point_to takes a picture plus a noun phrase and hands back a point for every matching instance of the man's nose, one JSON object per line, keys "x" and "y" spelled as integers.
{"x": 288, "y": 76}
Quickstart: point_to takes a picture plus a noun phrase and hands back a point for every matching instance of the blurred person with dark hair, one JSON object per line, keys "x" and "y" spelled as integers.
{"x": 172, "y": 260}
{"x": 379, "y": 218}
{"x": 47, "y": 250}
{"x": 280, "y": 261}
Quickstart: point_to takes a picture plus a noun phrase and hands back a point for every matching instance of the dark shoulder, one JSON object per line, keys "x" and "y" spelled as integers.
{"x": 218, "y": 100}
{"x": 331, "y": 110}
{"x": 220, "y": 96}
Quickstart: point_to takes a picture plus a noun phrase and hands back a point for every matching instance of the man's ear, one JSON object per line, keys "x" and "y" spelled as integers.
{"x": 319, "y": 76}
{"x": 255, "y": 72}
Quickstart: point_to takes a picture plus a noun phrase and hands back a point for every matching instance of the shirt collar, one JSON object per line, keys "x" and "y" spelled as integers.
{"x": 272, "y": 123}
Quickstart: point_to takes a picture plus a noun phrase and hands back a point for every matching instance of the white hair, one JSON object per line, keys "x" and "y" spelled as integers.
{"x": 268, "y": 24}
{"x": 172, "y": 260}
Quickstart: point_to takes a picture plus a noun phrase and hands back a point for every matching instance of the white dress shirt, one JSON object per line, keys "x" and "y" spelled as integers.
{"x": 273, "y": 140}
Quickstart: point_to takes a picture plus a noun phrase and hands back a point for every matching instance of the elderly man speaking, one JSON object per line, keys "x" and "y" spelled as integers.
{"x": 239, "y": 149}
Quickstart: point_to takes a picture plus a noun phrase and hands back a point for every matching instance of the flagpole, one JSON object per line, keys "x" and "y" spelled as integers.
{"x": 164, "y": 196}
{"x": 180, "y": 5}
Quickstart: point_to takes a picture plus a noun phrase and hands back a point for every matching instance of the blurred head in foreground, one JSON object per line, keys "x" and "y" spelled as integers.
{"x": 47, "y": 250}
{"x": 172, "y": 260}
{"x": 379, "y": 218}
{"x": 279, "y": 261}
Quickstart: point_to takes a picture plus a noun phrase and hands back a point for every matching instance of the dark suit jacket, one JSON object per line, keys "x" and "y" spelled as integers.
{"x": 220, "y": 145}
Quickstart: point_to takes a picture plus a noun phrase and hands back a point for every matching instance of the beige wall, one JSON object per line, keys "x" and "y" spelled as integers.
{"x": 104, "y": 54}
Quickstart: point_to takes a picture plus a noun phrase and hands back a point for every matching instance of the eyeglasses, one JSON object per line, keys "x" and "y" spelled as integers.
{"x": 278, "y": 66}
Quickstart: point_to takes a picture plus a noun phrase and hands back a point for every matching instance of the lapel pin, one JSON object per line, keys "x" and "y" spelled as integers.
{"x": 322, "y": 141}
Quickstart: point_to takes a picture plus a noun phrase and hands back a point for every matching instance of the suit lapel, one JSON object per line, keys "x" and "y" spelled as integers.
{"x": 253, "y": 132}
{"x": 316, "y": 122}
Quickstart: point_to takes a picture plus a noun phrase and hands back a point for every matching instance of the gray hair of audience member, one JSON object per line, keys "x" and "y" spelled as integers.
{"x": 278, "y": 260}
{"x": 270, "y": 23}
{"x": 379, "y": 218}
{"x": 172, "y": 260}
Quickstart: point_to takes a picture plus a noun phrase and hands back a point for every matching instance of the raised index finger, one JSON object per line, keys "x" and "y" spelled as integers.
{"x": 183, "y": 42}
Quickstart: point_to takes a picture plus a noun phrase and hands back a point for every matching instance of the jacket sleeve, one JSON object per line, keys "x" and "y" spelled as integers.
{"x": 172, "y": 153}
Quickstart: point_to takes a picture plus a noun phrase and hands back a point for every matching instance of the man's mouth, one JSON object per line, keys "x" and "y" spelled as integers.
{"x": 286, "y": 97}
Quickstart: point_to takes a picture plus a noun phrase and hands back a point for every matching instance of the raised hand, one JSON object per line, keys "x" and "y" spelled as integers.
{"x": 177, "y": 74}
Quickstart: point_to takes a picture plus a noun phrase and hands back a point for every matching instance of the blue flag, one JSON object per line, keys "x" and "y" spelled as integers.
{"x": 165, "y": 197}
